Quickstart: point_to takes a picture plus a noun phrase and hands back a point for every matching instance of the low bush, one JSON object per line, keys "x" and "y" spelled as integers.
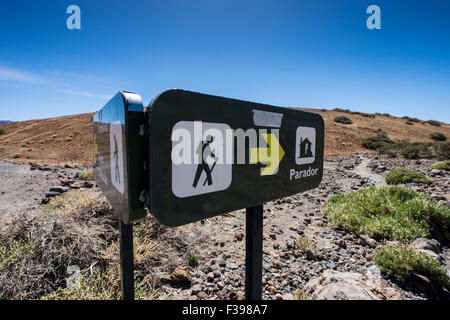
{"x": 410, "y": 150}
{"x": 343, "y": 120}
{"x": 2, "y": 132}
{"x": 381, "y": 139}
{"x": 443, "y": 165}
{"x": 85, "y": 176}
{"x": 409, "y": 123}
{"x": 442, "y": 149}
{"x": 404, "y": 175}
{"x": 411, "y": 119}
{"x": 437, "y": 136}
{"x": 401, "y": 263}
{"x": 367, "y": 115}
{"x": 416, "y": 150}
{"x": 388, "y": 212}
{"x": 434, "y": 123}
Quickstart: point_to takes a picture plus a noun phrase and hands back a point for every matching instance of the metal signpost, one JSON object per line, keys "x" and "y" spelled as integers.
{"x": 202, "y": 155}
{"x": 119, "y": 164}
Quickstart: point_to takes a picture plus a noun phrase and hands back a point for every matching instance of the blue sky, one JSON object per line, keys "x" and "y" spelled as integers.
{"x": 312, "y": 53}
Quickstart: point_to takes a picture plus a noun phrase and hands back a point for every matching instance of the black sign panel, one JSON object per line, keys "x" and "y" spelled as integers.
{"x": 119, "y": 155}
{"x": 210, "y": 155}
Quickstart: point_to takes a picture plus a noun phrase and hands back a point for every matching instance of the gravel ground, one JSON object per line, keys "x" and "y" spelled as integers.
{"x": 221, "y": 272}
{"x": 24, "y": 186}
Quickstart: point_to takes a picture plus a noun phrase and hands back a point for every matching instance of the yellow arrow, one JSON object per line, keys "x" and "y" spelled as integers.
{"x": 270, "y": 156}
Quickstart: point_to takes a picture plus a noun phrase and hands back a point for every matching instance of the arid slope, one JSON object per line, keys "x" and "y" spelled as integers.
{"x": 68, "y": 140}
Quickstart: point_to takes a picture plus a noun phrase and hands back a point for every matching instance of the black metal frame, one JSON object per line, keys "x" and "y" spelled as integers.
{"x": 126, "y": 261}
{"x": 253, "y": 252}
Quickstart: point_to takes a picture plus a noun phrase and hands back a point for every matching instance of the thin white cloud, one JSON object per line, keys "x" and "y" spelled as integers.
{"x": 15, "y": 77}
{"x": 18, "y": 76}
{"x": 85, "y": 93}
{"x": 89, "y": 76}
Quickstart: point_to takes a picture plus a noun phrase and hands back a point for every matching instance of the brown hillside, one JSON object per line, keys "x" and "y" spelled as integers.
{"x": 54, "y": 141}
{"x": 68, "y": 140}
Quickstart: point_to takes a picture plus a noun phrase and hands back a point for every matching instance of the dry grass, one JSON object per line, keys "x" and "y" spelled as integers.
{"x": 303, "y": 243}
{"x": 79, "y": 228}
{"x": 38, "y": 246}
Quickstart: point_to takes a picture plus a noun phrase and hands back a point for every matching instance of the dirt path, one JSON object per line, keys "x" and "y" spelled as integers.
{"x": 22, "y": 188}
{"x": 365, "y": 172}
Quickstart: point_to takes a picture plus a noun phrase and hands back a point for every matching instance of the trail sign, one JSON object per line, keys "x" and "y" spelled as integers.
{"x": 210, "y": 155}
{"x": 192, "y": 156}
{"x": 119, "y": 156}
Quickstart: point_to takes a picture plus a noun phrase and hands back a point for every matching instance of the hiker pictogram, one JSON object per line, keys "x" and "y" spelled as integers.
{"x": 116, "y": 160}
{"x": 116, "y": 156}
{"x": 204, "y": 152}
{"x": 202, "y": 148}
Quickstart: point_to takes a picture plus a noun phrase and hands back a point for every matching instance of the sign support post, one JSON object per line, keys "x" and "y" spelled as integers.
{"x": 126, "y": 261}
{"x": 253, "y": 252}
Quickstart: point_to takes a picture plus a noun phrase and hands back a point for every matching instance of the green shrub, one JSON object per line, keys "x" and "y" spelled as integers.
{"x": 389, "y": 151}
{"x": 434, "y": 123}
{"x": 442, "y": 149}
{"x": 388, "y": 212}
{"x": 409, "y": 123}
{"x": 386, "y": 114}
{"x": 376, "y": 142}
{"x": 437, "y": 136}
{"x": 404, "y": 175}
{"x": 444, "y": 165}
{"x": 2, "y": 132}
{"x": 192, "y": 261}
{"x": 86, "y": 176}
{"x": 343, "y": 120}
{"x": 411, "y": 119}
{"x": 416, "y": 150}
{"x": 401, "y": 262}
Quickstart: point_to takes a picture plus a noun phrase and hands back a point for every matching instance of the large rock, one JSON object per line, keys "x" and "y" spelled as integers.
{"x": 180, "y": 275}
{"x": 428, "y": 246}
{"x": 333, "y": 285}
{"x": 59, "y": 189}
{"x": 367, "y": 241}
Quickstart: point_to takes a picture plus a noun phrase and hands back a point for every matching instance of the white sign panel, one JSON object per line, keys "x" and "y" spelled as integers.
{"x": 116, "y": 147}
{"x": 199, "y": 151}
{"x": 305, "y": 145}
